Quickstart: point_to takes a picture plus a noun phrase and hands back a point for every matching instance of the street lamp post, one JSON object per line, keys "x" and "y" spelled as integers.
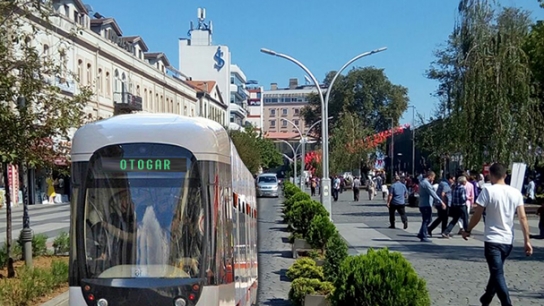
{"x": 302, "y": 141}
{"x": 294, "y": 159}
{"x": 325, "y": 180}
{"x": 392, "y": 150}
{"x": 26, "y": 232}
{"x": 413, "y": 140}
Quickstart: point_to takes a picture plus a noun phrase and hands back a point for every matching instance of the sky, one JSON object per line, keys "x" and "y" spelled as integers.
{"x": 322, "y": 34}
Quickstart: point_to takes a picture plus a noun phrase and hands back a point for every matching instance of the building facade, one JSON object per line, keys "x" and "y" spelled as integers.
{"x": 199, "y": 59}
{"x": 255, "y": 108}
{"x": 286, "y": 103}
{"x": 123, "y": 75}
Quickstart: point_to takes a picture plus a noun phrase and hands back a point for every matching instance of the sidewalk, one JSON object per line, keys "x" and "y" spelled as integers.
{"x": 455, "y": 269}
{"x": 59, "y": 300}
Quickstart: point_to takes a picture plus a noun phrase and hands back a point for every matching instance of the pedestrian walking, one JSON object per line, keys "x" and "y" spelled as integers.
{"x": 396, "y": 202}
{"x": 501, "y": 202}
{"x": 313, "y": 185}
{"x": 458, "y": 209}
{"x": 443, "y": 191}
{"x": 426, "y": 196}
{"x": 385, "y": 192}
{"x": 371, "y": 189}
{"x": 356, "y": 185}
{"x": 335, "y": 188}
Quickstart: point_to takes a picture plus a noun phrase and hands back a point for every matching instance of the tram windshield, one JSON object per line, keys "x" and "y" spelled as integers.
{"x": 143, "y": 213}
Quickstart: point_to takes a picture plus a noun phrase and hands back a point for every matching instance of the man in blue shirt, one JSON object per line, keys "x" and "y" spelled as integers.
{"x": 443, "y": 191}
{"x": 397, "y": 201}
{"x": 426, "y": 196}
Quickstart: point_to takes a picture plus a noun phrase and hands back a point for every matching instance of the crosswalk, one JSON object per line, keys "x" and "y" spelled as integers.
{"x": 48, "y": 219}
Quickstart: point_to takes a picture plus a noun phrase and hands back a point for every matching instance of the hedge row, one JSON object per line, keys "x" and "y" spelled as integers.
{"x": 377, "y": 278}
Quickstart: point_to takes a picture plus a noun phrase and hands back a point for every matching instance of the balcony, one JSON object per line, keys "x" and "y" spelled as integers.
{"x": 234, "y": 69}
{"x": 125, "y": 102}
{"x": 240, "y": 92}
{"x": 237, "y": 110}
{"x": 66, "y": 86}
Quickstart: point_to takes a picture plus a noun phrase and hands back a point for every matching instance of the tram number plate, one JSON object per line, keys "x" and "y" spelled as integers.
{"x": 139, "y": 272}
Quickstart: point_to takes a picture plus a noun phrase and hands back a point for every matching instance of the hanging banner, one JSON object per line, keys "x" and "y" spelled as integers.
{"x": 379, "y": 164}
{"x": 13, "y": 181}
{"x": 518, "y": 175}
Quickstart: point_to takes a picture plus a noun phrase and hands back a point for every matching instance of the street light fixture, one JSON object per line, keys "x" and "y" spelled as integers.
{"x": 26, "y": 232}
{"x": 325, "y": 180}
{"x": 294, "y": 158}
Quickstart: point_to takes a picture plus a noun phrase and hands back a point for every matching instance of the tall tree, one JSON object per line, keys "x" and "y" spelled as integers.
{"x": 364, "y": 92}
{"x": 32, "y": 109}
{"x": 255, "y": 151}
{"x": 347, "y": 147}
{"x": 484, "y": 93}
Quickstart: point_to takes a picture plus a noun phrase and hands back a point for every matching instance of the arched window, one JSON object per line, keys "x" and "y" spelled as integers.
{"x": 79, "y": 72}
{"x": 146, "y": 101}
{"x": 123, "y": 82}
{"x": 138, "y": 90}
{"x": 116, "y": 82}
{"x": 108, "y": 84}
{"x": 89, "y": 75}
{"x": 99, "y": 81}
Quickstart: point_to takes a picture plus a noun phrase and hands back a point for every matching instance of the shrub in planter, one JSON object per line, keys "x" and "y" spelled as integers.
{"x": 379, "y": 278}
{"x": 336, "y": 253}
{"x": 294, "y": 236}
{"x": 298, "y": 196}
{"x": 304, "y": 212}
{"x": 39, "y": 244}
{"x": 304, "y": 286}
{"x": 289, "y": 203}
{"x": 61, "y": 244}
{"x": 305, "y": 267}
{"x": 290, "y": 190}
{"x": 320, "y": 230}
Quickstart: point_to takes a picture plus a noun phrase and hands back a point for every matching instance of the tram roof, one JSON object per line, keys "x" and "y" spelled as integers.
{"x": 206, "y": 139}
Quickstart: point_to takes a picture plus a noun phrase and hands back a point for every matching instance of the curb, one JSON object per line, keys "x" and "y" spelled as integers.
{"x": 59, "y": 300}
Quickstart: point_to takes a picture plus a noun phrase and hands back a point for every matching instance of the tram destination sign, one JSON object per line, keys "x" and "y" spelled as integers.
{"x": 144, "y": 164}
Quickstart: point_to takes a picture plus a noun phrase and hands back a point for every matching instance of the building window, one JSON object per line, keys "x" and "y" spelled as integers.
{"x": 89, "y": 75}
{"x": 296, "y": 122}
{"x": 297, "y": 111}
{"x": 66, "y": 10}
{"x": 138, "y": 90}
{"x": 108, "y": 84}
{"x": 284, "y": 124}
{"x": 99, "y": 81}
{"x": 284, "y": 112}
{"x": 272, "y": 113}
{"x": 272, "y": 123}
{"x": 145, "y": 99}
{"x": 79, "y": 64}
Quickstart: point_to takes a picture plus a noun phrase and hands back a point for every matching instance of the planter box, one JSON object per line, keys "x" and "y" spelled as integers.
{"x": 316, "y": 300}
{"x": 300, "y": 245}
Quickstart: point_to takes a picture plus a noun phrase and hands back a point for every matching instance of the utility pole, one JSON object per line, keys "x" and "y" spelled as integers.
{"x": 413, "y": 140}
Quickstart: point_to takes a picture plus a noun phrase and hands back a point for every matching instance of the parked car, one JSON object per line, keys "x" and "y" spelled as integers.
{"x": 267, "y": 185}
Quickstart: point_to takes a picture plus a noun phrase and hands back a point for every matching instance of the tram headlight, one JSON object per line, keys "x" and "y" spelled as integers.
{"x": 102, "y": 302}
{"x": 180, "y": 302}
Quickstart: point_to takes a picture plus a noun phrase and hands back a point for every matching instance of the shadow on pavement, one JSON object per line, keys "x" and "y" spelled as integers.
{"x": 284, "y": 239}
{"x": 378, "y": 214}
{"x": 280, "y": 229}
{"x": 283, "y": 275}
{"x": 283, "y": 254}
{"x": 277, "y": 302}
{"x": 371, "y": 205}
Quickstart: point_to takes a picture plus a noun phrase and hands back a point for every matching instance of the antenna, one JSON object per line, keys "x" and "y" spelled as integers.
{"x": 201, "y": 13}
{"x": 210, "y": 27}
{"x": 307, "y": 79}
{"x": 192, "y": 26}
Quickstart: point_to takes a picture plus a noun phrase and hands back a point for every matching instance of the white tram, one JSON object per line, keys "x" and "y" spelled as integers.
{"x": 163, "y": 213}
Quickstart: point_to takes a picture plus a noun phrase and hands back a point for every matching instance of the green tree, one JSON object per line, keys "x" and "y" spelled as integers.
{"x": 485, "y": 87}
{"x": 255, "y": 151}
{"x": 32, "y": 109}
{"x": 346, "y": 144}
{"x": 364, "y": 92}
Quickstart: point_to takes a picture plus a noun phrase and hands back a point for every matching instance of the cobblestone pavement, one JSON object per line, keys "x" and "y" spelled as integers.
{"x": 275, "y": 255}
{"x": 455, "y": 269}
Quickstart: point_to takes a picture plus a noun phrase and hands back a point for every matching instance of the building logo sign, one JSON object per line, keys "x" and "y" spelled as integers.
{"x": 218, "y": 58}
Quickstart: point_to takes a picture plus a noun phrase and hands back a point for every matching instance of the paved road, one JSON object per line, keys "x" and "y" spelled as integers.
{"x": 275, "y": 255}
{"x": 455, "y": 269}
{"x": 48, "y": 219}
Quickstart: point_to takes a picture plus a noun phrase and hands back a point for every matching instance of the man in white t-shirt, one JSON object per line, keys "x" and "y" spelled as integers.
{"x": 501, "y": 202}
